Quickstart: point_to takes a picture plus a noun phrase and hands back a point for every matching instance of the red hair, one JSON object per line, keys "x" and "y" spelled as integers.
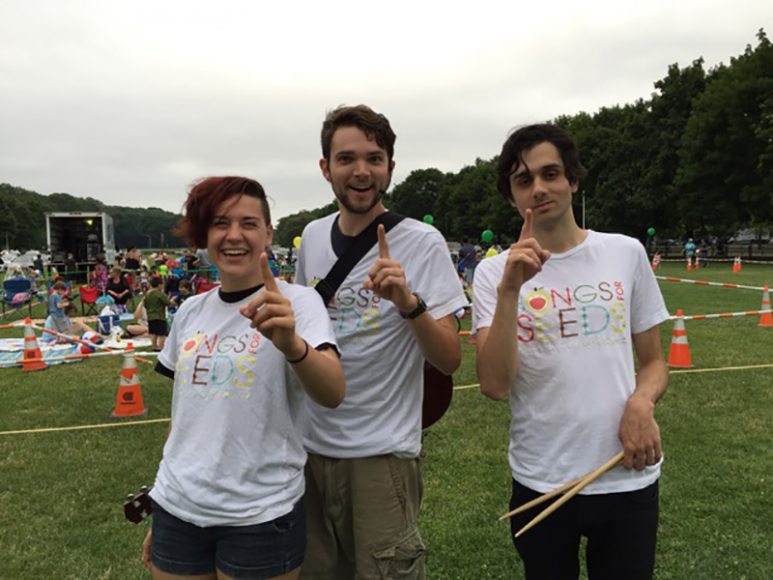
{"x": 205, "y": 198}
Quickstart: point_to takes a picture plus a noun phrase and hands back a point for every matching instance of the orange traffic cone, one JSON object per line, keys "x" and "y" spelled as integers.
{"x": 679, "y": 355}
{"x": 33, "y": 358}
{"x": 737, "y": 264}
{"x": 128, "y": 401}
{"x": 689, "y": 263}
{"x": 767, "y": 318}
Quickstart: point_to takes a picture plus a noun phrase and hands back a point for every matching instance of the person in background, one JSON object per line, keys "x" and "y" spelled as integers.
{"x": 184, "y": 291}
{"x": 202, "y": 262}
{"x": 40, "y": 269}
{"x": 64, "y": 323}
{"x": 156, "y": 302}
{"x": 100, "y": 273}
{"x": 467, "y": 261}
{"x": 689, "y": 251}
{"x": 118, "y": 288}
{"x": 139, "y": 328}
{"x": 702, "y": 255}
{"x": 133, "y": 260}
{"x": 70, "y": 268}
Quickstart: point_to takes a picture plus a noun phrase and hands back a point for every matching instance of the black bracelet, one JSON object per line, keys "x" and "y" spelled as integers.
{"x": 303, "y": 356}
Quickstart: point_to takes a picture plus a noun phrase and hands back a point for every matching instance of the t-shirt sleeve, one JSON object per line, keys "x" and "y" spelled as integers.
{"x": 162, "y": 370}
{"x": 312, "y": 322}
{"x": 300, "y": 274}
{"x": 648, "y": 307}
{"x": 300, "y": 271}
{"x": 435, "y": 278}
{"x": 484, "y": 295}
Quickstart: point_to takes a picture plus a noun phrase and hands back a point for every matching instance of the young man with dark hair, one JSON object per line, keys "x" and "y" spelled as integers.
{"x": 557, "y": 317}
{"x": 393, "y": 310}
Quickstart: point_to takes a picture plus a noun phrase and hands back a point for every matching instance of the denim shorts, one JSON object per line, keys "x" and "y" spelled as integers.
{"x": 258, "y": 551}
{"x": 158, "y": 327}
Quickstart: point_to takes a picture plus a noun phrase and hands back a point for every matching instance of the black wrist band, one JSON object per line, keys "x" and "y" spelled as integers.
{"x": 303, "y": 356}
{"x": 421, "y": 308}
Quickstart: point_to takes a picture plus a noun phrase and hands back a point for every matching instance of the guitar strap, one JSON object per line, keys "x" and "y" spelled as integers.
{"x": 363, "y": 242}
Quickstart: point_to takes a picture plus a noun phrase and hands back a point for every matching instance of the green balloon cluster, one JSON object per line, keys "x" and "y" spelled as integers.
{"x": 487, "y": 236}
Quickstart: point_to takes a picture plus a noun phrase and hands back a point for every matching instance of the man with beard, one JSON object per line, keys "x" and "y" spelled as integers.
{"x": 392, "y": 311}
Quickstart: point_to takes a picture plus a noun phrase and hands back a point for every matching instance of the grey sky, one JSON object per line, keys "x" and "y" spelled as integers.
{"x": 131, "y": 102}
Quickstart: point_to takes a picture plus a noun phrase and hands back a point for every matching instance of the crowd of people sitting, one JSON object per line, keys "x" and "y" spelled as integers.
{"x": 149, "y": 288}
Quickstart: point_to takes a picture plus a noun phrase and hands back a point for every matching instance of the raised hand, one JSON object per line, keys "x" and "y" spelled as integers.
{"x": 272, "y": 314}
{"x": 525, "y": 259}
{"x": 386, "y": 277}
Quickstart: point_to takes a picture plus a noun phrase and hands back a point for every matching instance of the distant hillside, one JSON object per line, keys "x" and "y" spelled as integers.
{"x": 22, "y": 219}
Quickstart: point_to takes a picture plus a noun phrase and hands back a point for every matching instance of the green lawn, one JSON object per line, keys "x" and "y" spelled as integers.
{"x": 61, "y": 492}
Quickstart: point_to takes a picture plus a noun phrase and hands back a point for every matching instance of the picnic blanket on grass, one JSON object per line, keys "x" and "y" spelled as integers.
{"x": 12, "y": 352}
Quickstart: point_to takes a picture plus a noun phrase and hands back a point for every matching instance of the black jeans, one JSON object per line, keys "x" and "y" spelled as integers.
{"x": 621, "y": 529}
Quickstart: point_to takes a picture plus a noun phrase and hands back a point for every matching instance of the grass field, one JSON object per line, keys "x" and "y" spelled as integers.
{"x": 61, "y": 491}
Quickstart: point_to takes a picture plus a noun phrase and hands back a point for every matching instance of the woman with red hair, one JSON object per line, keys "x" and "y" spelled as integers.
{"x": 227, "y": 500}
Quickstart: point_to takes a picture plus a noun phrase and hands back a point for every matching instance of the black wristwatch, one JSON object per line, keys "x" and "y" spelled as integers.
{"x": 421, "y": 308}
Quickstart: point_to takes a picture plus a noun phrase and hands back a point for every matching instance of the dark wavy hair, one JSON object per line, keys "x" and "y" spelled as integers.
{"x": 206, "y": 196}
{"x": 524, "y": 139}
{"x": 375, "y": 125}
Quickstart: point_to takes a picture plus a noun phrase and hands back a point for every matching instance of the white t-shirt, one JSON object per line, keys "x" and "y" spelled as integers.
{"x": 235, "y": 452}
{"x": 575, "y": 359}
{"x": 381, "y": 412}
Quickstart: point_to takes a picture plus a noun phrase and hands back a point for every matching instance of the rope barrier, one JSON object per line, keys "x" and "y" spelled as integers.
{"x": 459, "y": 388}
{"x": 712, "y": 260}
{"x": 83, "y": 427}
{"x": 722, "y": 315}
{"x": 706, "y": 283}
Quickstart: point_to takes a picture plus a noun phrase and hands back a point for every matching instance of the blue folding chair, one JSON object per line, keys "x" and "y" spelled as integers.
{"x": 18, "y": 292}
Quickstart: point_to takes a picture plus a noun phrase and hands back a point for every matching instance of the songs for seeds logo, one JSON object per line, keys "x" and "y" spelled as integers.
{"x": 215, "y": 364}
{"x": 582, "y": 315}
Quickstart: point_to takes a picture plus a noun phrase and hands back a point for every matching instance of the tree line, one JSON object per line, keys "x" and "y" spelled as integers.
{"x": 695, "y": 159}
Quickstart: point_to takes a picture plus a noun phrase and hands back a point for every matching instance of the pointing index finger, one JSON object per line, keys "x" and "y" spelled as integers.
{"x": 526, "y": 228}
{"x": 268, "y": 276}
{"x": 383, "y": 247}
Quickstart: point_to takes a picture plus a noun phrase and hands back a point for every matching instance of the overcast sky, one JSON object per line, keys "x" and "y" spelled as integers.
{"x": 129, "y": 102}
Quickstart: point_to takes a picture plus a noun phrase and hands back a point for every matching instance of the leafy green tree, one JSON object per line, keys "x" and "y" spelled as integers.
{"x": 292, "y": 225}
{"x": 417, "y": 195}
{"x": 724, "y": 179}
